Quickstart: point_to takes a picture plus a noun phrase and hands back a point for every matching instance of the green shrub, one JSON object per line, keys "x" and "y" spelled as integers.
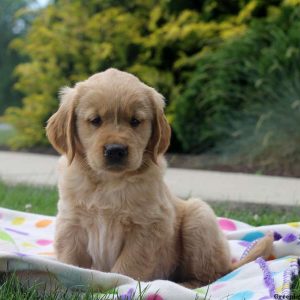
{"x": 13, "y": 24}
{"x": 243, "y": 73}
{"x": 265, "y": 136}
{"x": 159, "y": 41}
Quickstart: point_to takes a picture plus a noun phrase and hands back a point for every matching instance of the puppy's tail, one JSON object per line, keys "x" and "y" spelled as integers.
{"x": 263, "y": 248}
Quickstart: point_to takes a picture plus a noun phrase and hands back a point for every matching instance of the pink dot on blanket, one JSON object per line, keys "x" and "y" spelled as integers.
{"x": 233, "y": 260}
{"x": 227, "y": 224}
{"x": 154, "y": 297}
{"x": 218, "y": 286}
{"x": 43, "y": 242}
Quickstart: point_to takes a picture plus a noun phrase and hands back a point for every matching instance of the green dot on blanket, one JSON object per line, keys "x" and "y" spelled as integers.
{"x": 6, "y": 237}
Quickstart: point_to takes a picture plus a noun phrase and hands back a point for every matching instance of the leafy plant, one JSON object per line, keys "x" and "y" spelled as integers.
{"x": 239, "y": 82}
{"x": 160, "y": 41}
{"x": 13, "y": 24}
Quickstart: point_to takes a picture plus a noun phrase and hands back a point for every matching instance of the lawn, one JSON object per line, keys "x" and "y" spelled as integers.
{"x": 42, "y": 200}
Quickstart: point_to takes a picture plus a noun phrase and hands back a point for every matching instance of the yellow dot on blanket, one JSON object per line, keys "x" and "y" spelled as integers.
{"x": 43, "y": 223}
{"x": 28, "y": 245}
{"x": 294, "y": 224}
{"x": 291, "y": 259}
{"x": 18, "y": 221}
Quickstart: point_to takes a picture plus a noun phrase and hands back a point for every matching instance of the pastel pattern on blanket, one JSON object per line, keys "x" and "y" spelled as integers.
{"x": 26, "y": 243}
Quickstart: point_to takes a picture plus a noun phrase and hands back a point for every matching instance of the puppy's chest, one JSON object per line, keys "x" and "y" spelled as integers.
{"x": 107, "y": 220}
{"x": 106, "y": 238}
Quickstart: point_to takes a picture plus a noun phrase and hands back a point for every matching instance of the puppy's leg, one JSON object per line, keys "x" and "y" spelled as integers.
{"x": 264, "y": 248}
{"x": 147, "y": 254}
{"x": 205, "y": 250}
{"x": 70, "y": 244}
{"x": 133, "y": 267}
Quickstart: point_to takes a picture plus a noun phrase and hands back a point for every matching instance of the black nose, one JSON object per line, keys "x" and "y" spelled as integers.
{"x": 115, "y": 153}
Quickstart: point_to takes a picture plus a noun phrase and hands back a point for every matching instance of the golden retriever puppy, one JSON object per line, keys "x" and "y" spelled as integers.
{"x": 115, "y": 213}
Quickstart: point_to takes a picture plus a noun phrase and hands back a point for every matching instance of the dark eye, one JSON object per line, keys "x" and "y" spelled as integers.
{"x": 96, "y": 121}
{"x": 135, "y": 122}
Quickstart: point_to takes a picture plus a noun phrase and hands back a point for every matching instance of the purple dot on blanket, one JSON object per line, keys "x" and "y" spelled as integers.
{"x": 252, "y": 236}
{"x": 128, "y": 295}
{"x": 43, "y": 242}
{"x": 16, "y": 231}
{"x": 20, "y": 254}
{"x": 289, "y": 238}
{"x": 244, "y": 243}
{"x": 227, "y": 224}
{"x": 277, "y": 236}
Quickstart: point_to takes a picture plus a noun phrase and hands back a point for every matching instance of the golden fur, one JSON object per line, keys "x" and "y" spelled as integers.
{"x": 123, "y": 218}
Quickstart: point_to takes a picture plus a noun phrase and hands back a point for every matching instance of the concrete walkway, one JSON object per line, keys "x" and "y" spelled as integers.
{"x": 218, "y": 186}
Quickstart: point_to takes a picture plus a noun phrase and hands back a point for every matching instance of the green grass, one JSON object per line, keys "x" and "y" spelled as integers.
{"x": 256, "y": 214}
{"x": 40, "y": 200}
{"x": 43, "y": 200}
{"x": 11, "y": 288}
{"x": 296, "y": 288}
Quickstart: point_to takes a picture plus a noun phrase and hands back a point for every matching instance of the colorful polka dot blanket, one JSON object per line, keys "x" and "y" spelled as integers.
{"x": 26, "y": 249}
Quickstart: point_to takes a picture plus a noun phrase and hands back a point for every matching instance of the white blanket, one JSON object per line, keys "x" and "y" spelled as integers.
{"x": 26, "y": 249}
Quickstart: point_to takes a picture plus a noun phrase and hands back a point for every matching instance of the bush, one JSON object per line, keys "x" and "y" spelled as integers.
{"x": 13, "y": 24}
{"x": 266, "y": 137}
{"x": 159, "y": 41}
{"x": 247, "y": 73}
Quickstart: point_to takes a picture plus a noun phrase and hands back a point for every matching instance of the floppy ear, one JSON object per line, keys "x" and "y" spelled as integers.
{"x": 61, "y": 127}
{"x": 161, "y": 131}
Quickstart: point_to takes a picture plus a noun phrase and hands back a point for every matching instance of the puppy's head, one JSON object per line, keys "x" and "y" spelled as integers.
{"x": 112, "y": 120}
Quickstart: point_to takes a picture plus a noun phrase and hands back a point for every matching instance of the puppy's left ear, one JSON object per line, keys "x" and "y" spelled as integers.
{"x": 161, "y": 130}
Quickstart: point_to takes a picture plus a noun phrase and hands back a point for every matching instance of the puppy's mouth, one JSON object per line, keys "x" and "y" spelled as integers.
{"x": 115, "y": 168}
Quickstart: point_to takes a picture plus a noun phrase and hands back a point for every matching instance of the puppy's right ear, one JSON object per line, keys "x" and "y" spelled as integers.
{"x": 61, "y": 127}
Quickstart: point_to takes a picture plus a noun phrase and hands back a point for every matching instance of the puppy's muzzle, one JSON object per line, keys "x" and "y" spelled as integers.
{"x": 115, "y": 153}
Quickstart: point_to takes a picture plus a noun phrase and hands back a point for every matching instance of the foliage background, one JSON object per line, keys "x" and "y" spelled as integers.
{"x": 13, "y": 23}
{"x": 228, "y": 69}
